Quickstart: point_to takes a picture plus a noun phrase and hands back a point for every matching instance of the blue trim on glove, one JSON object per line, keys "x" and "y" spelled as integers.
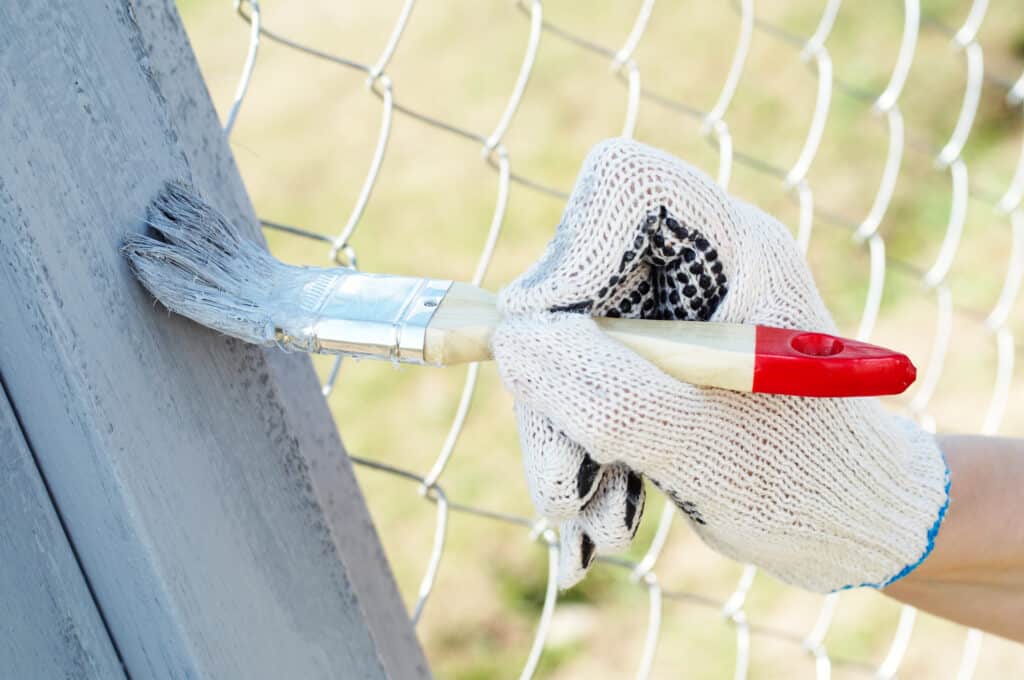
{"x": 932, "y": 533}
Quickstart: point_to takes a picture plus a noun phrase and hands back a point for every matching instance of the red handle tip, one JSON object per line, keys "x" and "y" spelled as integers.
{"x": 810, "y": 364}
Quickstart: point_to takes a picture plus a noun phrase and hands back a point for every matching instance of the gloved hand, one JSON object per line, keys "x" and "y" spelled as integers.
{"x": 822, "y": 493}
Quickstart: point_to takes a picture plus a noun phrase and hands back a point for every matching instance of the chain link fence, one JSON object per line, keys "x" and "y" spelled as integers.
{"x": 884, "y": 108}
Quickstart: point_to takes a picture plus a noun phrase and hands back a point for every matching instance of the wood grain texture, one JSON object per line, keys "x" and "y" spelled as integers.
{"x": 699, "y": 352}
{"x": 200, "y": 480}
{"x": 461, "y": 328}
{"x": 49, "y": 624}
{"x": 702, "y": 353}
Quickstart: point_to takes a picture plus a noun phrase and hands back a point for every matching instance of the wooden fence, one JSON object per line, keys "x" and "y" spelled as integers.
{"x": 172, "y": 503}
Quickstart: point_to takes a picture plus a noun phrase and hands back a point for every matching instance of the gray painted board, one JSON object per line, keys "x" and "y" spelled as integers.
{"x": 49, "y": 625}
{"x": 201, "y": 481}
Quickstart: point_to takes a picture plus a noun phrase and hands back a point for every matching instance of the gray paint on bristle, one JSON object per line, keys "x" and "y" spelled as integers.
{"x": 198, "y": 264}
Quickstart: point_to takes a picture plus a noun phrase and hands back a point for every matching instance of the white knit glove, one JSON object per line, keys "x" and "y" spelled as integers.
{"x": 822, "y": 493}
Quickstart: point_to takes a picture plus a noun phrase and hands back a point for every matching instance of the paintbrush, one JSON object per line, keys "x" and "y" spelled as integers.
{"x": 195, "y": 262}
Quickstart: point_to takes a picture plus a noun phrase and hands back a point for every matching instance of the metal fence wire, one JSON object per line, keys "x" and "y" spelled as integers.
{"x": 713, "y": 125}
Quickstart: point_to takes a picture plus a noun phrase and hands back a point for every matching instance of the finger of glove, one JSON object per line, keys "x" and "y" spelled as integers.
{"x": 560, "y": 474}
{"x": 607, "y": 525}
{"x": 603, "y": 396}
{"x": 576, "y": 553}
{"x": 612, "y": 516}
{"x": 670, "y": 272}
{"x": 621, "y": 189}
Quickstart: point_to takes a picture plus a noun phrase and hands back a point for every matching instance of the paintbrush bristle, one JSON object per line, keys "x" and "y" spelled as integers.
{"x": 198, "y": 264}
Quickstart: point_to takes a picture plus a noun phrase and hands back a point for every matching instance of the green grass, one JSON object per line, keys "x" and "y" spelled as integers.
{"x": 303, "y": 142}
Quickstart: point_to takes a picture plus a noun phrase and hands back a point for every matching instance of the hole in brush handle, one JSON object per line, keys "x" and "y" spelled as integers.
{"x": 817, "y": 344}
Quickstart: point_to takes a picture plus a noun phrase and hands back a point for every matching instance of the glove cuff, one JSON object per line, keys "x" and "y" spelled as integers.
{"x": 927, "y": 454}
{"x": 869, "y": 512}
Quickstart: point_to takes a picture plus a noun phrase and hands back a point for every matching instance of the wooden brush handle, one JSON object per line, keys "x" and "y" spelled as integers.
{"x": 737, "y": 357}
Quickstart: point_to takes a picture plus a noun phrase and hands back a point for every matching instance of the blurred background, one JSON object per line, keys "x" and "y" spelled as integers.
{"x": 305, "y": 137}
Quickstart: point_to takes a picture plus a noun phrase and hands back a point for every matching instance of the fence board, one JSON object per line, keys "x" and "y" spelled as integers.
{"x": 200, "y": 480}
{"x": 49, "y": 625}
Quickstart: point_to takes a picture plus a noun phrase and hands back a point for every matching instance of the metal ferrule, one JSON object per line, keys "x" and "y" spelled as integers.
{"x": 372, "y": 315}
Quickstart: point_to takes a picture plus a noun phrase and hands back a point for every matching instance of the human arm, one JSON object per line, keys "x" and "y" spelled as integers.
{"x": 975, "y": 574}
{"x": 825, "y": 494}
